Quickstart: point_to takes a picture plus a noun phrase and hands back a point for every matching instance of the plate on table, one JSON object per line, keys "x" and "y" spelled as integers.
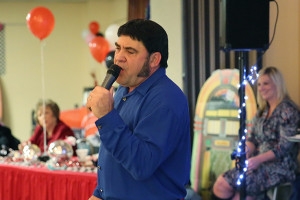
{"x": 295, "y": 138}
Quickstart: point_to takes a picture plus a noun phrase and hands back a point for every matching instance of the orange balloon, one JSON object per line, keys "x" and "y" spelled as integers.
{"x": 40, "y": 22}
{"x": 99, "y": 48}
{"x": 94, "y": 27}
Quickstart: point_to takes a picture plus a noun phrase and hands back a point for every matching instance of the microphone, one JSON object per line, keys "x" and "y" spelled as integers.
{"x": 111, "y": 76}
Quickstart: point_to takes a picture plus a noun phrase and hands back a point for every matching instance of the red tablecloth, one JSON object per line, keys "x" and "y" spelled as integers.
{"x": 31, "y": 183}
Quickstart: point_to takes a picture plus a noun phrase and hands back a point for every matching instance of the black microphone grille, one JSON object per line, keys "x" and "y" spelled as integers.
{"x": 114, "y": 70}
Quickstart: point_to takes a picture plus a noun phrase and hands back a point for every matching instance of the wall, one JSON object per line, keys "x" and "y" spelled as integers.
{"x": 284, "y": 52}
{"x": 168, "y": 13}
{"x": 67, "y": 62}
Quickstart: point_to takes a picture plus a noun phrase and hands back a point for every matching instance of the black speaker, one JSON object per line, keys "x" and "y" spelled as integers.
{"x": 244, "y": 24}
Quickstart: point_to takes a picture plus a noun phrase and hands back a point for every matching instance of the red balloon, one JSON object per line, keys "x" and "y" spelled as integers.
{"x": 94, "y": 27}
{"x": 40, "y": 22}
{"x": 99, "y": 48}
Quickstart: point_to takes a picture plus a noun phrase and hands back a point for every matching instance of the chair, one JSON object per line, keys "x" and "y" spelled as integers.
{"x": 273, "y": 193}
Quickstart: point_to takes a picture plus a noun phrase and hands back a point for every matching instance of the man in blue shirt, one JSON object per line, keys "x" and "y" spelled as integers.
{"x": 145, "y": 127}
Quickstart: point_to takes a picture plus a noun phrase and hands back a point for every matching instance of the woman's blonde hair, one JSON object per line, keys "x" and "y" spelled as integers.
{"x": 276, "y": 76}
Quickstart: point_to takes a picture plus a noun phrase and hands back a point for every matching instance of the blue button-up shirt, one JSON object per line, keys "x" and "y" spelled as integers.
{"x": 145, "y": 149}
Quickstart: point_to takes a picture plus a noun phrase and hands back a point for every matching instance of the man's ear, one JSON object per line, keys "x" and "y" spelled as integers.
{"x": 155, "y": 59}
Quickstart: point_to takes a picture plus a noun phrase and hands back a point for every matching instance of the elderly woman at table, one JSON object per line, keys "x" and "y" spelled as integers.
{"x": 48, "y": 118}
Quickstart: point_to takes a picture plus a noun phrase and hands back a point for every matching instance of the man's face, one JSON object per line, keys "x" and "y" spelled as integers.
{"x": 132, "y": 56}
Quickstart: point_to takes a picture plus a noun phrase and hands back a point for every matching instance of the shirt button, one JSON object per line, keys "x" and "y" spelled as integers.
{"x": 99, "y": 167}
{"x": 99, "y": 127}
{"x": 101, "y": 190}
{"x": 124, "y": 99}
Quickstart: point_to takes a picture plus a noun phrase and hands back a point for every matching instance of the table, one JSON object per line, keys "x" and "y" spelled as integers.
{"x": 34, "y": 183}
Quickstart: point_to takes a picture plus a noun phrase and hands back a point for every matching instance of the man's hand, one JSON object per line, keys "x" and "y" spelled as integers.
{"x": 100, "y": 101}
{"x": 94, "y": 198}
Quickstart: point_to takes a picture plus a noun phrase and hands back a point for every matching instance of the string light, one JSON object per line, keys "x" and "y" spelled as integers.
{"x": 240, "y": 154}
{"x": 244, "y": 166}
{"x": 253, "y": 75}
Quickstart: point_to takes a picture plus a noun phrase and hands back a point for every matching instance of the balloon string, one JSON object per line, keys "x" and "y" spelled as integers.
{"x": 43, "y": 95}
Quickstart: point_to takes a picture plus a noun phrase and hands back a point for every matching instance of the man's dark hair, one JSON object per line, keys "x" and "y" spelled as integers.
{"x": 151, "y": 34}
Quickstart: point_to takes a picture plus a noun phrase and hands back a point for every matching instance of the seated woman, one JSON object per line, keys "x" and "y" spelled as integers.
{"x": 271, "y": 157}
{"x": 48, "y": 118}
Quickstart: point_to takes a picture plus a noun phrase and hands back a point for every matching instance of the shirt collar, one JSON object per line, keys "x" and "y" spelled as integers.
{"x": 144, "y": 86}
